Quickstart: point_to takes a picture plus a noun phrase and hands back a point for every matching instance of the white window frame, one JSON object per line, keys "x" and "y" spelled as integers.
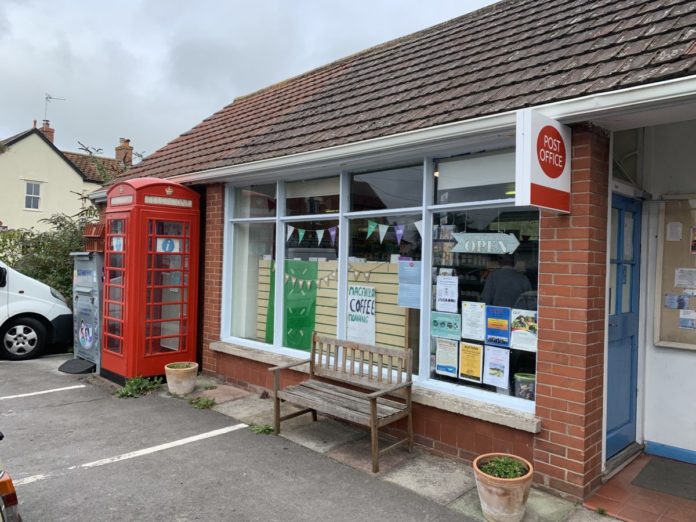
{"x": 37, "y": 197}
{"x": 344, "y": 216}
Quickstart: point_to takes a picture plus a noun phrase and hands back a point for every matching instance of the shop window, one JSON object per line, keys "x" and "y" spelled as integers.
{"x": 310, "y": 197}
{"x": 253, "y": 281}
{"x": 310, "y": 282}
{"x": 484, "y": 301}
{"x": 380, "y": 309}
{"x": 476, "y": 177}
{"x": 255, "y": 201}
{"x": 385, "y": 189}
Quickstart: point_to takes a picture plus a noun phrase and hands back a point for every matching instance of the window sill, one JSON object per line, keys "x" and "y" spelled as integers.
{"x": 427, "y": 393}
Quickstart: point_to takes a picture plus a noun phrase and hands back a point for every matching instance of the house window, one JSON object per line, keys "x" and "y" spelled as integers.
{"x": 32, "y": 195}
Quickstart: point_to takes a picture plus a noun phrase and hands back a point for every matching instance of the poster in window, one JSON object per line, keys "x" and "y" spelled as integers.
{"x": 446, "y": 357}
{"x": 473, "y": 320}
{"x": 447, "y": 293}
{"x": 496, "y": 367}
{"x": 361, "y": 314}
{"x": 443, "y": 324}
{"x": 470, "y": 361}
{"x": 498, "y": 325}
{"x": 409, "y": 284}
{"x": 523, "y": 330}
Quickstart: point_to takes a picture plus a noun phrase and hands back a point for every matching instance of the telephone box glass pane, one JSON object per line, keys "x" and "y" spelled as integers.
{"x": 118, "y": 226}
{"x": 253, "y": 281}
{"x": 166, "y": 319}
{"x": 113, "y": 344}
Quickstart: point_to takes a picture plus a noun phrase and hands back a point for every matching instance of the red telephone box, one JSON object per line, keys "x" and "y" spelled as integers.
{"x": 150, "y": 277}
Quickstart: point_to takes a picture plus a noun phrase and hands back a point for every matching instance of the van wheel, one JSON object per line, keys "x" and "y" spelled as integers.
{"x": 22, "y": 338}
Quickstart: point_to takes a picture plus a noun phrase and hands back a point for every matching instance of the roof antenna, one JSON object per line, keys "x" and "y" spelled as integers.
{"x": 49, "y": 98}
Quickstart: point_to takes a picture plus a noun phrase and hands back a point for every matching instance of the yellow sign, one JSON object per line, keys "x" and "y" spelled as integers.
{"x": 470, "y": 361}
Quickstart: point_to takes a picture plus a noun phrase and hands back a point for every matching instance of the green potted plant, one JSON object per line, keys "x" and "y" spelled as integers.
{"x": 503, "y": 483}
{"x": 181, "y": 377}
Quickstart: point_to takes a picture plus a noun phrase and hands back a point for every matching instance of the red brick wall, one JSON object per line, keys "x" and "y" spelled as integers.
{"x": 211, "y": 286}
{"x": 570, "y": 358}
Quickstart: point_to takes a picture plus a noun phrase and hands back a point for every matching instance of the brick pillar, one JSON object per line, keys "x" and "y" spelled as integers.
{"x": 570, "y": 358}
{"x": 212, "y": 278}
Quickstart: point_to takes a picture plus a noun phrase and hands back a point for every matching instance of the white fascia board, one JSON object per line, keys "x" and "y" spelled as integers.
{"x": 586, "y": 108}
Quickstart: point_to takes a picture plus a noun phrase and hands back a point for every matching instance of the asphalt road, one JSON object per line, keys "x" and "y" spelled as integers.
{"x": 238, "y": 475}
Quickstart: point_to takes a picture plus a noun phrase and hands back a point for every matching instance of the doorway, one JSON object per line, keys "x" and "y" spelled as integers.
{"x": 624, "y": 293}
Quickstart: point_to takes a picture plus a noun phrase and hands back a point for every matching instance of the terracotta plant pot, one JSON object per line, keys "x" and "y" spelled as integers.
{"x": 502, "y": 499}
{"x": 181, "y": 377}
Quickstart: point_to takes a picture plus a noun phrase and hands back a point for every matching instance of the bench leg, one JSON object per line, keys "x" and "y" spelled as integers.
{"x": 314, "y": 415}
{"x": 409, "y": 422}
{"x": 276, "y": 403}
{"x": 374, "y": 434}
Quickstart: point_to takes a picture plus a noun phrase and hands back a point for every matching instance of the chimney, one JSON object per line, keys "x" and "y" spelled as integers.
{"x": 48, "y": 131}
{"x": 124, "y": 152}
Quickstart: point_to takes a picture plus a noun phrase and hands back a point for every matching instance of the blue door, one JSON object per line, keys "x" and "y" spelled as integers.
{"x": 624, "y": 290}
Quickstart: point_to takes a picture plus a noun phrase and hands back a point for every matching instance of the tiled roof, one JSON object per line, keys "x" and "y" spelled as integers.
{"x": 512, "y": 54}
{"x": 88, "y": 166}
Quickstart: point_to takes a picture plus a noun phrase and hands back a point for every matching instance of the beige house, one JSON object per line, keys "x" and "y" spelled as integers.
{"x": 38, "y": 180}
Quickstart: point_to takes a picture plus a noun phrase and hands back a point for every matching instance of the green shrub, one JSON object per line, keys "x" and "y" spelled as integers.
{"x": 504, "y": 467}
{"x": 45, "y": 255}
{"x": 202, "y": 403}
{"x": 138, "y": 386}
{"x": 261, "y": 429}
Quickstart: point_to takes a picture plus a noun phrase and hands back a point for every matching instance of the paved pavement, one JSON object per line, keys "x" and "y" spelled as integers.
{"x": 81, "y": 454}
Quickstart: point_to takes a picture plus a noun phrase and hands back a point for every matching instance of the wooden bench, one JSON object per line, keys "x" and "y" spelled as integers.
{"x": 385, "y": 370}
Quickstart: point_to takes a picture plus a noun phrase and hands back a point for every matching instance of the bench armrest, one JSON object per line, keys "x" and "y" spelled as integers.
{"x": 288, "y": 365}
{"x": 392, "y": 389}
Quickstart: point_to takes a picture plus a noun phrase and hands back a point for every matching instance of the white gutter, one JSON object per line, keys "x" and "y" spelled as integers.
{"x": 568, "y": 111}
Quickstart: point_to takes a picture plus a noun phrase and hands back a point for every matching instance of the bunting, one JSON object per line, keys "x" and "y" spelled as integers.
{"x": 301, "y": 232}
{"x": 371, "y": 226}
{"x": 382, "y": 232}
{"x": 398, "y": 229}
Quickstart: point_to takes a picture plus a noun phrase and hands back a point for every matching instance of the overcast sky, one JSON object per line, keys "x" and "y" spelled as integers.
{"x": 150, "y": 70}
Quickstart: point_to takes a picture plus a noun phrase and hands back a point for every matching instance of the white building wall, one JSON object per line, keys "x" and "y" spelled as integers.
{"x": 670, "y": 374}
{"x": 31, "y": 159}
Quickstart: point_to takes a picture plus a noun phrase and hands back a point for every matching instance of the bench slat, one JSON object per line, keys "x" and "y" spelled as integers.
{"x": 346, "y": 406}
{"x": 340, "y": 390}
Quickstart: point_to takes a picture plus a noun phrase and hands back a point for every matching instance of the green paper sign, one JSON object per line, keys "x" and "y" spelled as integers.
{"x": 300, "y": 304}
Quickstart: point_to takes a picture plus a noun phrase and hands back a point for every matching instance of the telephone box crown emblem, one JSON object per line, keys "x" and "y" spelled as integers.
{"x": 169, "y": 191}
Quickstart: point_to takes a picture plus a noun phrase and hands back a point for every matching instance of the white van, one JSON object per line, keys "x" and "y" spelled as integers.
{"x": 32, "y": 316}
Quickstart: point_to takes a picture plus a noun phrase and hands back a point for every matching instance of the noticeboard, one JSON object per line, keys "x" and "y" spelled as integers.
{"x": 675, "y": 308}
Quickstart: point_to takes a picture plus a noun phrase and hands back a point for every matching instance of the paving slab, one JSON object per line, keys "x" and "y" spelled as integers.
{"x": 541, "y": 507}
{"x": 321, "y": 436}
{"x": 437, "y": 478}
{"x": 255, "y": 410}
{"x": 221, "y": 393}
{"x": 357, "y": 454}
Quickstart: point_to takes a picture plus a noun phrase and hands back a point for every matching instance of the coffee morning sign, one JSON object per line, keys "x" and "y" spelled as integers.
{"x": 542, "y": 163}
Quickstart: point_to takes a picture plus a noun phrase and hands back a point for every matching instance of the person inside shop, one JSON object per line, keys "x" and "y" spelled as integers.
{"x": 504, "y": 286}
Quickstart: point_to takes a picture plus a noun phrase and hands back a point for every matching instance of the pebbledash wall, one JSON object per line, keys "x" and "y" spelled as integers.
{"x": 565, "y": 444}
